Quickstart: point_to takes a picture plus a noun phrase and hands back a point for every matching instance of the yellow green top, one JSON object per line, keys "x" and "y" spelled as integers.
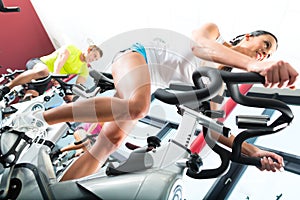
{"x": 73, "y": 65}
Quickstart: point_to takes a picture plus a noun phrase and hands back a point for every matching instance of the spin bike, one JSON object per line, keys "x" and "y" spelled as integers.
{"x": 152, "y": 171}
{"x": 14, "y": 102}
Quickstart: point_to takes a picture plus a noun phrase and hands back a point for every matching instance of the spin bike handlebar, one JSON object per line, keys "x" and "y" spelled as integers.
{"x": 281, "y": 122}
{"x": 102, "y": 80}
{"x": 10, "y": 75}
{"x": 200, "y": 94}
{"x": 57, "y": 77}
{"x": 232, "y": 80}
{"x": 65, "y": 87}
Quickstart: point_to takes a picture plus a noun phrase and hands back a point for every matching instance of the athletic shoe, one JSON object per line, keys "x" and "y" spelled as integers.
{"x": 29, "y": 121}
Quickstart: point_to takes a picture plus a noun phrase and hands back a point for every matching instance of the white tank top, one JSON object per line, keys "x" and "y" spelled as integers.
{"x": 175, "y": 64}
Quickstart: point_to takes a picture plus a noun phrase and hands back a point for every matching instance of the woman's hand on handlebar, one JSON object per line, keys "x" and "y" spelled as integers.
{"x": 268, "y": 160}
{"x": 276, "y": 73}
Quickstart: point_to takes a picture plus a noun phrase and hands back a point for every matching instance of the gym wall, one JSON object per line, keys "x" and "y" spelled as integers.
{"x": 22, "y": 36}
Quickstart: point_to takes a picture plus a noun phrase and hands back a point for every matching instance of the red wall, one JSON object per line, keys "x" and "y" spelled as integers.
{"x": 22, "y": 36}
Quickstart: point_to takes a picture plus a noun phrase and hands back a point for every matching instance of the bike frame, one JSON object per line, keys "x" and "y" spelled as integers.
{"x": 150, "y": 172}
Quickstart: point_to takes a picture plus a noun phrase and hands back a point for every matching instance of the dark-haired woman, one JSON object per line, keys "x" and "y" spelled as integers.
{"x": 136, "y": 69}
{"x": 249, "y": 50}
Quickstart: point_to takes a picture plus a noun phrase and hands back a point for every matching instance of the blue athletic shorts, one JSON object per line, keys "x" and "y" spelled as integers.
{"x": 139, "y": 48}
{"x": 136, "y": 47}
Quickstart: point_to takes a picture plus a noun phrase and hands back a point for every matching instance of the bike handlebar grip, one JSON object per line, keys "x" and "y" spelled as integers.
{"x": 65, "y": 86}
{"x": 80, "y": 91}
{"x": 224, "y": 154}
{"x": 200, "y": 94}
{"x": 48, "y": 78}
{"x": 97, "y": 76}
{"x": 59, "y": 76}
{"x": 41, "y": 81}
{"x": 237, "y": 156}
{"x": 12, "y": 73}
{"x": 231, "y": 79}
{"x": 213, "y": 173}
{"x": 242, "y": 77}
{"x": 255, "y": 161}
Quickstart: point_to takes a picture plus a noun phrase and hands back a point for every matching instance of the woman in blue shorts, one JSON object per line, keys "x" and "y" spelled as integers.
{"x": 136, "y": 69}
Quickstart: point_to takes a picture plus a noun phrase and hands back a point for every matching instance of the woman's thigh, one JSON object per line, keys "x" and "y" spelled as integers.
{"x": 131, "y": 77}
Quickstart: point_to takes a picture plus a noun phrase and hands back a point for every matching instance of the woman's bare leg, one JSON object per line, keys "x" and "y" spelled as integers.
{"x": 132, "y": 81}
{"x": 109, "y": 139}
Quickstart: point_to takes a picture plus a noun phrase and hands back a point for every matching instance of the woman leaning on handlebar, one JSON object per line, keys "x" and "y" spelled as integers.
{"x": 135, "y": 69}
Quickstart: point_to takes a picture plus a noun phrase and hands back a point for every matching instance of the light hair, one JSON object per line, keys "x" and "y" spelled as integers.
{"x": 95, "y": 47}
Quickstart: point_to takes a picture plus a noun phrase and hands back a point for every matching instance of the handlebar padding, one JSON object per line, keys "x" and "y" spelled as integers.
{"x": 200, "y": 95}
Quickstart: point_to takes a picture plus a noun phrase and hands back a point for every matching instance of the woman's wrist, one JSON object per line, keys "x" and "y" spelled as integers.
{"x": 252, "y": 65}
{"x": 249, "y": 149}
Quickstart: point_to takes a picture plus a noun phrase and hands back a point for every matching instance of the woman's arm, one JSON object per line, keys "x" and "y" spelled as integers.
{"x": 276, "y": 73}
{"x": 207, "y": 48}
{"x": 253, "y": 151}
